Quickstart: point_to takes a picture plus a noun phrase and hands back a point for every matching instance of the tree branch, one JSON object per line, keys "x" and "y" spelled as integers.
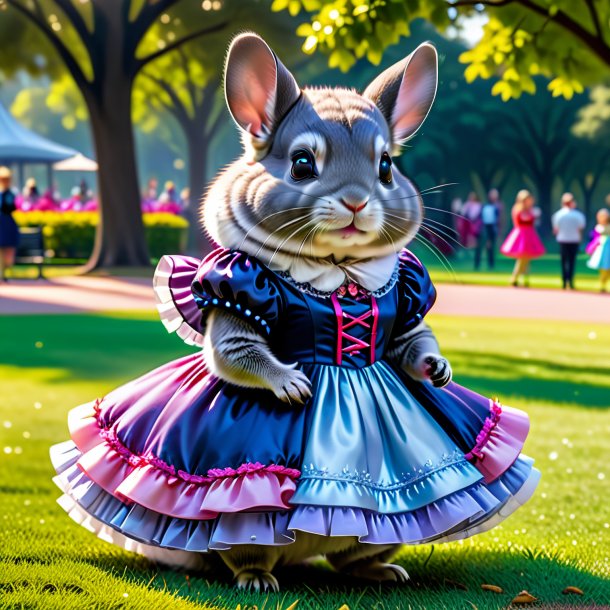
{"x": 67, "y": 57}
{"x": 595, "y": 18}
{"x": 76, "y": 19}
{"x": 595, "y": 43}
{"x": 140, "y": 63}
{"x": 186, "y": 66}
{"x": 177, "y": 108}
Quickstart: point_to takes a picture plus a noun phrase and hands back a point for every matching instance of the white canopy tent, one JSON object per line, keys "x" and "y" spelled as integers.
{"x": 78, "y": 163}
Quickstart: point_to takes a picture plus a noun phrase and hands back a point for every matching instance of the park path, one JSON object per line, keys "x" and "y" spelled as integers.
{"x": 82, "y": 294}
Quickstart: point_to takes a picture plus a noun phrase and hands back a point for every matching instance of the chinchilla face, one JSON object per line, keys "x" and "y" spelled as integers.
{"x": 317, "y": 177}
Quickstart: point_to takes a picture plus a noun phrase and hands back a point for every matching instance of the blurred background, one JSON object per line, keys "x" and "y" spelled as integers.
{"x": 523, "y": 103}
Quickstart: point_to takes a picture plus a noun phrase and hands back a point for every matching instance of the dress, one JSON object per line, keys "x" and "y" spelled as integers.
{"x": 9, "y": 232}
{"x": 183, "y": 460}
{"x": 600, "y": 255}
{"x": 523, "y": 240}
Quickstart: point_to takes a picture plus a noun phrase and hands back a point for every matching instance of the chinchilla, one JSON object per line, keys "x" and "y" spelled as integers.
{"x": 315, "y": 188}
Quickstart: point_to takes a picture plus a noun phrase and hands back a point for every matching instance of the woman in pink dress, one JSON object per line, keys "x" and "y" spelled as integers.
{"x": 523, "y": 242}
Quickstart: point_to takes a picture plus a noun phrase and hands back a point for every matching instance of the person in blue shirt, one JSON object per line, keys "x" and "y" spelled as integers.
{"x": 489, "y": 218}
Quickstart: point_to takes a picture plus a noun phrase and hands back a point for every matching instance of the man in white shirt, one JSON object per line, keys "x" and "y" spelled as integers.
{"x": 568, "y": 225}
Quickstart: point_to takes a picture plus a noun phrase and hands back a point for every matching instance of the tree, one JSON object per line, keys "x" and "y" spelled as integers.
{"x": 592, "y": 129}
{"x": 564, "y": 40}
{"x": 98, "y": 43}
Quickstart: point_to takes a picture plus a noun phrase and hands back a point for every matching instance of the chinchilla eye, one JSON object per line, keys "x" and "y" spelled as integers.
{"x": 385, "y": 168}
{"x": 303, "y": 165}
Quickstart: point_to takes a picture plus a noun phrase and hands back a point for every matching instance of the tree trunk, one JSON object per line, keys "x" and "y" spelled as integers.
{"x": 120, "y": 238}
{"x": 197, "y": 144}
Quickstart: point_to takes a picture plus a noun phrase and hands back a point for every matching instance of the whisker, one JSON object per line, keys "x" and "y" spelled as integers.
{"x": 428, "y": 207}
{"x": 282, "y": 227}
{"x": 437, "y": 186}
{"x": 290, "y": 237}
{"x": 447, "y": 235}
{"x": 438, "y": 255}
{"x": 433, "y": 231}
{"x": 304, "y": 241}
{"x": 383, "y": 231}
{"x": 270, "y": 216}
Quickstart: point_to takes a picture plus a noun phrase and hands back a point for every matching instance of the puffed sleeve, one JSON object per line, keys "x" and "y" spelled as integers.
{"x": 241, "y": 285}
{"x": 416, "y": 293}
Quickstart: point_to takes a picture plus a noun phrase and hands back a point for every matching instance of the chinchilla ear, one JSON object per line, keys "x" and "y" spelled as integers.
{"x": 259, "y": 90}
{"x": 405, "y": 92}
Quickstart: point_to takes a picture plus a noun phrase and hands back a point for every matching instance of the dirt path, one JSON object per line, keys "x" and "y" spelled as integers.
{"x": 79, "y": 294}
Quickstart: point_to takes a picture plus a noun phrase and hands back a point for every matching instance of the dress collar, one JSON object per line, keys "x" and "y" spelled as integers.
{"x": 326, "y": 275}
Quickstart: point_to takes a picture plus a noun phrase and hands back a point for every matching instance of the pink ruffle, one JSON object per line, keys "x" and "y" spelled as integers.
{"x": 149, "y": 481}
{"x": 500, "y": 441}
{"x": 175, "y": 302}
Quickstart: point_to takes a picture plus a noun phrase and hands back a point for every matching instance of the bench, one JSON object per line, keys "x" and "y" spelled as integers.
{"x": 30, "y": 250}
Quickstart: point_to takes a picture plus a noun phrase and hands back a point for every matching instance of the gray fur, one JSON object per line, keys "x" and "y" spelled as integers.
{"x": 255, "y": 206}
{"x": 417, "y": 353}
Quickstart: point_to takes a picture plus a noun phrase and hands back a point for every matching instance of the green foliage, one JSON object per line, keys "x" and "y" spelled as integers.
{"x": 71, "y": 234}
{"x": 51, "y": 363}
{"x": 560, "y": 39}
{"x": 594, "y": 118}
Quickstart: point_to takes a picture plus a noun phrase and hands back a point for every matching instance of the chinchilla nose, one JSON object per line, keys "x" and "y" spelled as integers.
{"x": 354, "y": 206}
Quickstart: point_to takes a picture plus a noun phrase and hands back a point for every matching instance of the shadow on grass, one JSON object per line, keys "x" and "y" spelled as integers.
{"x": 447, "y": 581}
{"x": 86, "y": 346}
{"x": 90, "y": 347}
{"x": 509, "y": 375}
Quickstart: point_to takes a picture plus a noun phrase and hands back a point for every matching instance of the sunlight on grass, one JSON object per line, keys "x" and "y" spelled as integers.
{"x": 559, "y": 373}
{"x": 545, "y": 272}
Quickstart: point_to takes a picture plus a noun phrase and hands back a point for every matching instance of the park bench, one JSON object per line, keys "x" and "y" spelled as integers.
{"x": 30, "y": 250}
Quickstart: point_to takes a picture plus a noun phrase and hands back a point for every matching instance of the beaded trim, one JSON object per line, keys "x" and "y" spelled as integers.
{"x": 364, "y": 478}
{"x": 307, "y": 288}
{"x": 204, "y": 303}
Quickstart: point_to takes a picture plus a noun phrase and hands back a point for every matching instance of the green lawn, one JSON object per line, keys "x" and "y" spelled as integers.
{"x": 545, "y": 271}
{"x": 559, "y": 373}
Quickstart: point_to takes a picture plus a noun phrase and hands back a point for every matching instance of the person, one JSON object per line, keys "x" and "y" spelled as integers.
{"x": 9, "y": 232}
{"x": 469, "y": 224}
{"x": 600, "y": 259}
{"x": 568, "y": 225}
{"x": 491, "y": 213}
{"x": 523, "y": 243}
{"x": 169, "y": 193}
{"x": 30, "y": 191}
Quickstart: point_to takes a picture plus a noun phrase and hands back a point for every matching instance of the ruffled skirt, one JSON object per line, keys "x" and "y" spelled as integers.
{"x": 600, "y": 257}
{"x": 181, "y": 460}
{"x": 523, "y": 242}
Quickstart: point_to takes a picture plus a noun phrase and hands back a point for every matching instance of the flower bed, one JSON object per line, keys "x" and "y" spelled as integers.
{"x": 71, "y": 234}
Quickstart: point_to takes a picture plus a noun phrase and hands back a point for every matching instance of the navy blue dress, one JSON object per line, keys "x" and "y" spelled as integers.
{"x": 182, "y": 459}
{"x": 9, "y": 232}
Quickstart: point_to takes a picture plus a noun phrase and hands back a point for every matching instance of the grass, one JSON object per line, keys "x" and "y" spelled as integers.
{"x": 559, "y": 373}
{"x": 545, "y": 271}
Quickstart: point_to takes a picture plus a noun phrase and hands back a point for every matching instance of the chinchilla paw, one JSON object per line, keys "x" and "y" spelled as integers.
{"x": 257, "y": 580}
{"x": 292, "y": 386}
{"x": 435, "y": 368}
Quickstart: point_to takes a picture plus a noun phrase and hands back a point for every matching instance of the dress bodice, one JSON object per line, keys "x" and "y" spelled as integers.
{"x": 525, "y": 219}
{"x": 349, "y": 327}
